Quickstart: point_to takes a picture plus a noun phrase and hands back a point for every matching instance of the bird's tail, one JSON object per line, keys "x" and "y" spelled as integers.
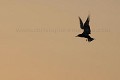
{"x": 90, "y": 39}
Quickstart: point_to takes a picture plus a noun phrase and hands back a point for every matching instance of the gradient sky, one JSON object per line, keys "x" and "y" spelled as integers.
{"x": 37, "y": 40}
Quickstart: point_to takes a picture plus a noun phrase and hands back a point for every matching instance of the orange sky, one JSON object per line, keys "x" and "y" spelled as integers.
{"x": 33, "y": 47}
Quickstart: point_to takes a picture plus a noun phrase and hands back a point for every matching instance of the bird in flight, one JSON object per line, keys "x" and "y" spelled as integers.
{"x": 86, "y": 29}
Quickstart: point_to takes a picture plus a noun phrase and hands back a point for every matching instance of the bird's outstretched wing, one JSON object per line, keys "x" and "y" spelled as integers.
{"x": 81, "y": 23}
{"x": 87, "y": 21}
{"x": 87, "y": 26}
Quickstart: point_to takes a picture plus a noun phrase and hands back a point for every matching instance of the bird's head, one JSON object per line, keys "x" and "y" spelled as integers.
{"x": 79, "y": 35}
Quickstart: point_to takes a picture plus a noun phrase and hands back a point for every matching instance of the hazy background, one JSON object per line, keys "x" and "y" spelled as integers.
{"x": 37, "y": 40}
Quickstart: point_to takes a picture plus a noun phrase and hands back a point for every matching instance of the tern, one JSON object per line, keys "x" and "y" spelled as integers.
{"x": 86, "y": 29}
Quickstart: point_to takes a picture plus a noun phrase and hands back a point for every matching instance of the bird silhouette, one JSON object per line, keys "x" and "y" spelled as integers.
{"x": 86, "y": 28}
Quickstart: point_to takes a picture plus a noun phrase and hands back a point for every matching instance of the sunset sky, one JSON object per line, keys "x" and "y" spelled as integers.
{"x": 37, "y": 40}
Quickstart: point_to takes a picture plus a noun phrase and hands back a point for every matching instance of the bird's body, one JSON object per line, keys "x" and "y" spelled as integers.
{"x": 86, "y": 29}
